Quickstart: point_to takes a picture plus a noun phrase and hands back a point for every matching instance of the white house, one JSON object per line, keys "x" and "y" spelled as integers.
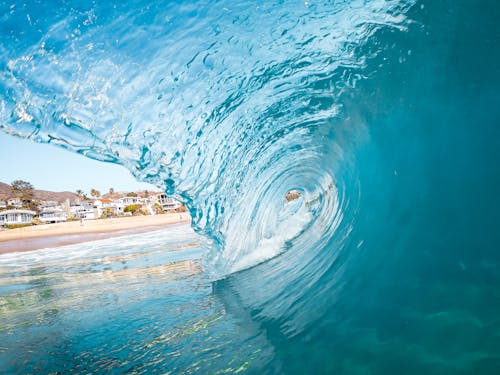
{"x": 106, "y": 204}
{"x": 127, "y": 201}
{"x": 166, "y": 203}
{"x": 3, "y": 204}
{"x": 15, "y": 202}
{"x": 83, "y": 210}
{"x": 48, "y": 204}
{"x": 9, "y": 217}
{"x": 53, "y": 215}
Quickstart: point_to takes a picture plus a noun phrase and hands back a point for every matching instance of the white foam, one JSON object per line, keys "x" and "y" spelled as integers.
{"x": 273, "y": 245}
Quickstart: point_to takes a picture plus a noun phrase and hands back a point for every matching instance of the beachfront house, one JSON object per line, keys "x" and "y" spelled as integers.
{"x": 166, "y": 203}
{"x": 83, "y": 210}
{"x": 106, "y": 206}
{"x": 127, "y": 201}
{"x": 48, "y": 204}
{"x": 53, "y": 215}
{"x": 16, "y": 217}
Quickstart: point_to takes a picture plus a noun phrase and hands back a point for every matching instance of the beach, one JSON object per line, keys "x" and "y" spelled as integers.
{"x": 66, "y": 233}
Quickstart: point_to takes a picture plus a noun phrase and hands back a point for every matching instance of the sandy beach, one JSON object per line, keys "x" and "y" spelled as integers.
{"x": 51, "y": 235}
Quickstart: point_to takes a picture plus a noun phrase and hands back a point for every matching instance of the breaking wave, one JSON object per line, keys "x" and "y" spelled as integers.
{"x": 230, "y": 105}
{"x": 227, "y": 105}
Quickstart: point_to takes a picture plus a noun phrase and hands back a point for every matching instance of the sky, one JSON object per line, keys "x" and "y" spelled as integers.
{"x": 49, "y": 167}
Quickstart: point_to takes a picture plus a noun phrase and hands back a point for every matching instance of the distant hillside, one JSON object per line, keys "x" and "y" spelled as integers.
{"x": 45, "y": 195}
{"x": 60, "y": 196}
{"x": 4, "y": 190}
{"x": 113, "y": 195}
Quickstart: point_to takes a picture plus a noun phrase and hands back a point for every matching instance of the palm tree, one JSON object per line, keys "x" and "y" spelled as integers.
{"x": 95, "y": 193}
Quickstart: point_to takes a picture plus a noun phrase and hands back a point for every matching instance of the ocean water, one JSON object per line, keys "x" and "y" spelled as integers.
{"x": 384, "y": 114}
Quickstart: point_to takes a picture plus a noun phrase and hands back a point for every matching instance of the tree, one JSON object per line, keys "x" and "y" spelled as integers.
{"x": 22, "y": 190}
{"x": 111, "y": 191}
{"x": 79, "y": 193}
{"x": 132, "y": 194}
{"x": 95, "y": 193}
{"x": 25, "y": 192}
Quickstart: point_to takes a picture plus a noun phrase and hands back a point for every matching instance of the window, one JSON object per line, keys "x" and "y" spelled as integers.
{"x": 25, "y": 218}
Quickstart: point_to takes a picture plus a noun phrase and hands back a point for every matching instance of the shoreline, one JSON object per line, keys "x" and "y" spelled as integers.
{"x": 67, "y": 233}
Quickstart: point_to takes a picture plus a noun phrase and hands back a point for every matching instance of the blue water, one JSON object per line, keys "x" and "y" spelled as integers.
{"x": 383, "y": 114}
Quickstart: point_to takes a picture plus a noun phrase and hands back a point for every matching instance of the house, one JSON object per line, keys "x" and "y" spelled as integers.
{"x": 166, "y": 203}
{"x": 53, "y": 215}
{"x": 106, "y": 206}
{"x": 83, "y": 210}
{"x": 15, "y": 202}
{"x": 48, "y": 204}
{"x": 128, "y": 201}
{"x": 3, "y": 205}
{"x": 52, "y": 212}
{"x": 12, "y": 217}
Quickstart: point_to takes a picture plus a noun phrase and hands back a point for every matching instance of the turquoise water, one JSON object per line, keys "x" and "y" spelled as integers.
{"x": 384, "y": 114}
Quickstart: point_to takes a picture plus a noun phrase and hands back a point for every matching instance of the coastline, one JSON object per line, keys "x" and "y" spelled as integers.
{"x": 60, "y": 234}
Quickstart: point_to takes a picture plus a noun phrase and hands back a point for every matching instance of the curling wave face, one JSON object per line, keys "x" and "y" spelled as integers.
{"x": 229, "y": 105}
{"x": 379, "y": 112}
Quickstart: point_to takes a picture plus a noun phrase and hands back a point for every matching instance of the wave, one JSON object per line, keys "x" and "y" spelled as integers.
{"x": 380, "y": 115}
{"x": 360, "y": 106}
{"x": 226, "y": 105}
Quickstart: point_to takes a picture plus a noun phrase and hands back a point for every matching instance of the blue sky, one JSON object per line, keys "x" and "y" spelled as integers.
{"x": 49, "y": 167}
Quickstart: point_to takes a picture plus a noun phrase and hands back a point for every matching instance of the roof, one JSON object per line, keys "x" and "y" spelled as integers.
{"x": 17, "y": 212}
{"x": 104, "y": 200}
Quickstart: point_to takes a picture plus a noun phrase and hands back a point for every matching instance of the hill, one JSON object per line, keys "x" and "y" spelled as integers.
{"x": 45, "y": 195}
{"x": 59, "y": 196}
{"x": 4, "y": 190}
